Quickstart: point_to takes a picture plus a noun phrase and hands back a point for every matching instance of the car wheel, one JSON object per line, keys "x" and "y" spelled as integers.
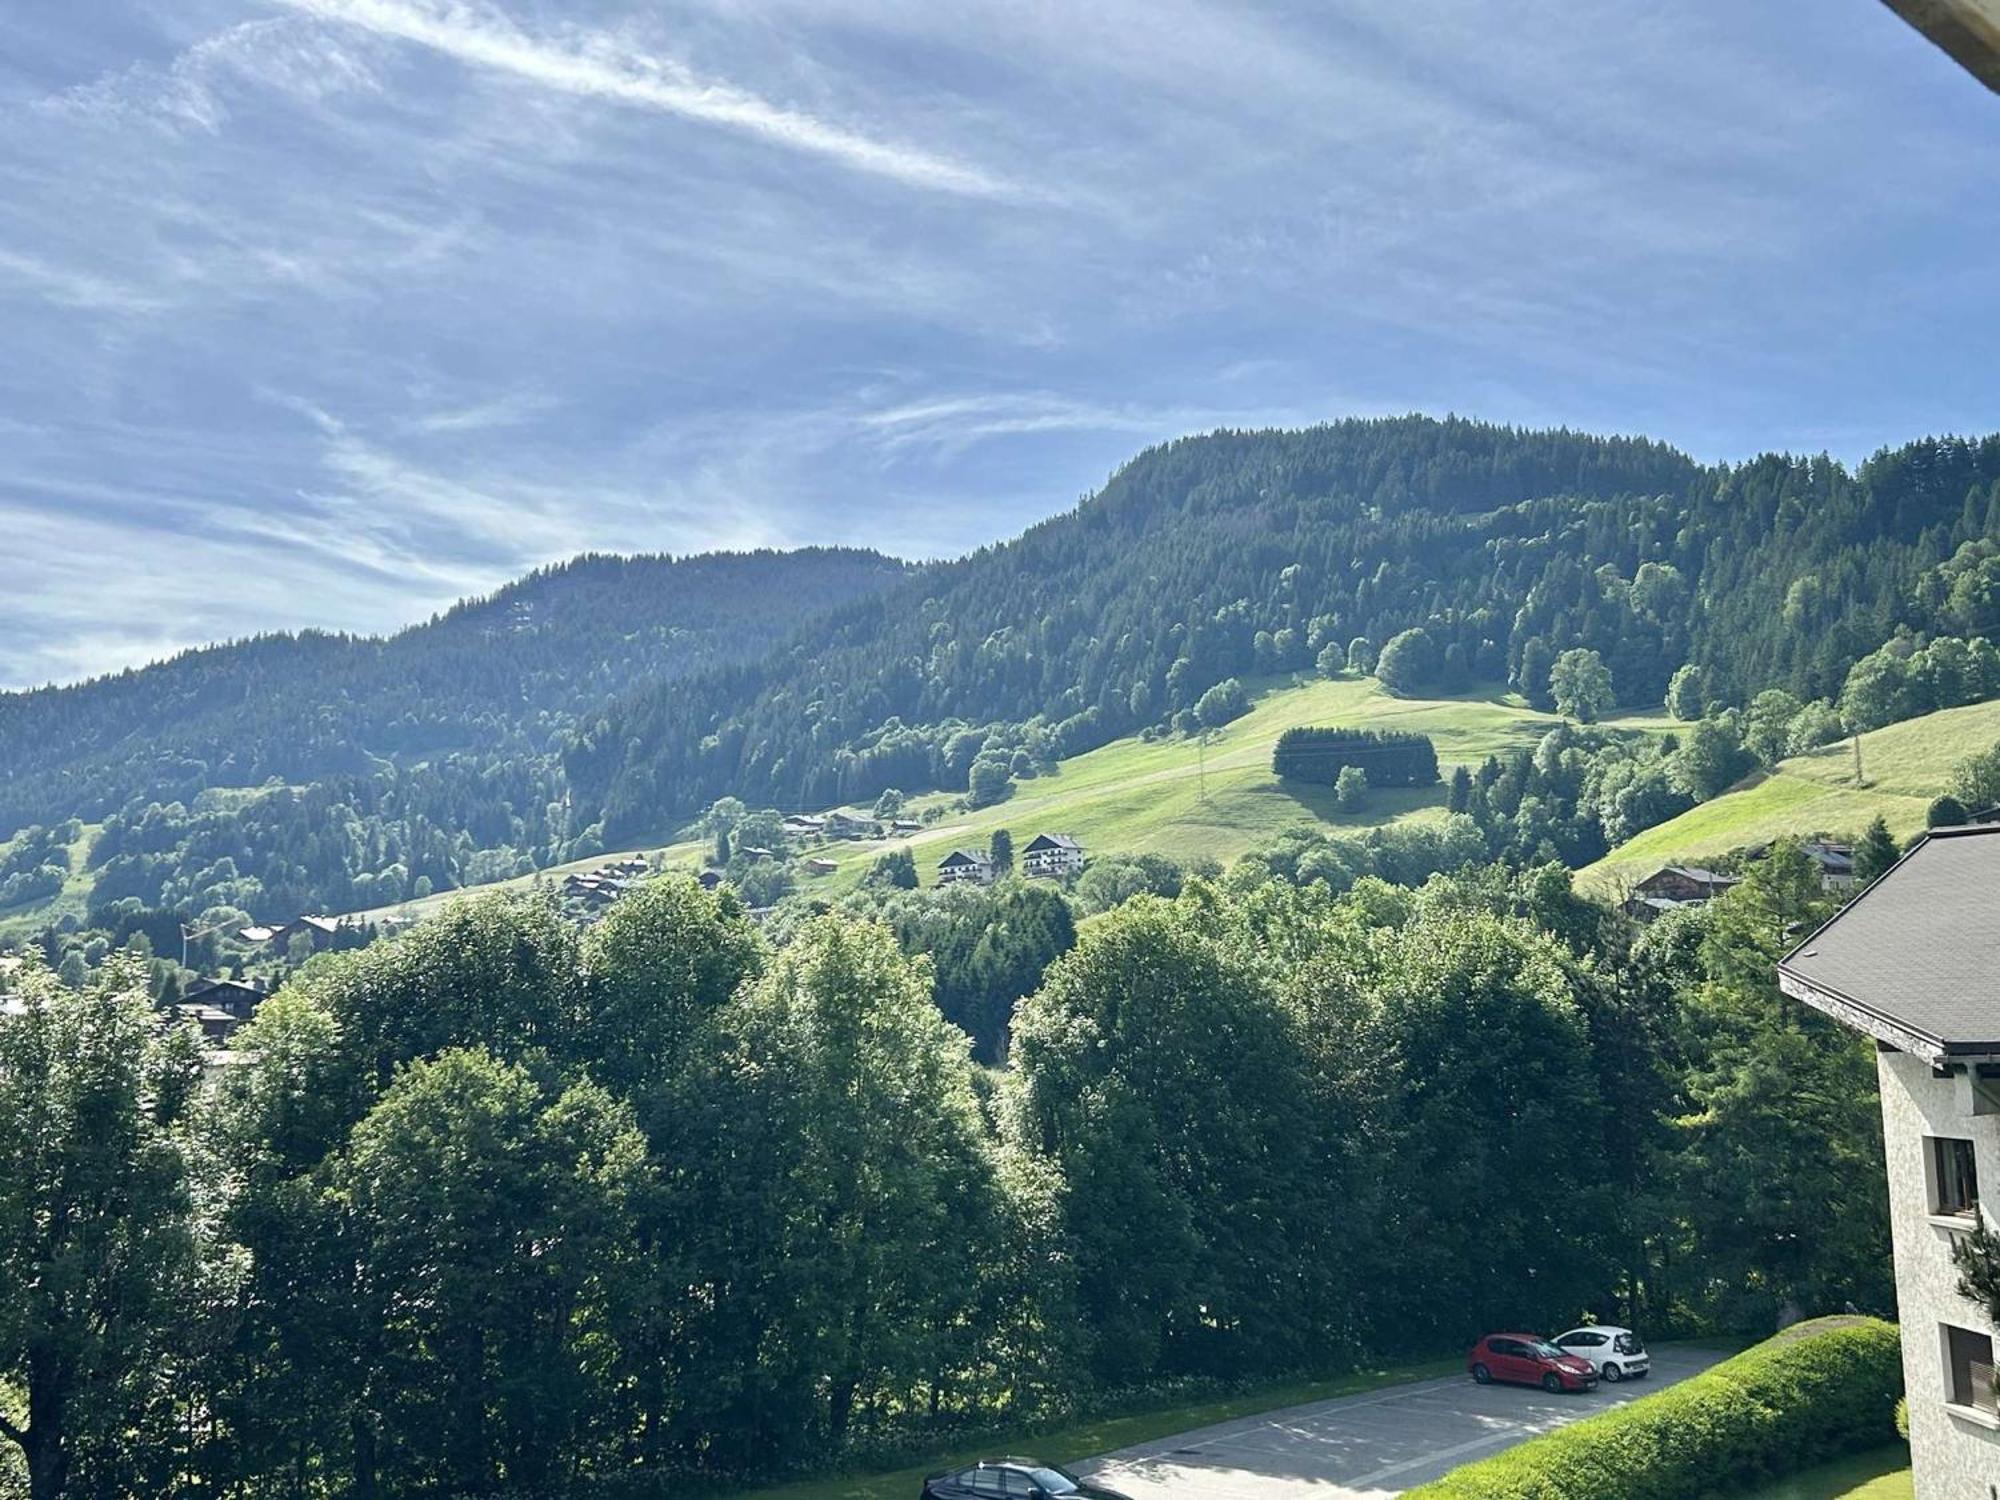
{"x": 1481, "y": 1375}
{"x": 1612, "y": 1373}
{"x": 1552, "y": 1383}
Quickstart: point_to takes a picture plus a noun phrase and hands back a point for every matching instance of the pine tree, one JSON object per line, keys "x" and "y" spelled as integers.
{"x": 1876, "y": 852}
{"x": 1459, "y": 796}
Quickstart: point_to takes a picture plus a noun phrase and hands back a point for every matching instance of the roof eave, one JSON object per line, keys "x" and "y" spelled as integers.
{"x": 1867, "y": 1019}
{"x": 1967, "y": 30}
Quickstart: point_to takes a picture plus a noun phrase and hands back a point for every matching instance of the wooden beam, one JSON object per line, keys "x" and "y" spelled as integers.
{"x": 1967, "y": 29}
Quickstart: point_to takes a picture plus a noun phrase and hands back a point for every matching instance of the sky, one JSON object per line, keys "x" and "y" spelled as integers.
{"x": 325, "y": 313}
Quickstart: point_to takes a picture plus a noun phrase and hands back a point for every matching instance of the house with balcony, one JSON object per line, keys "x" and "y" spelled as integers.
{"x": 965, "y": 866}
{"x": 1051, "y": 856}
{"x": 1912, "y": 964}
{"x": 238, "y": 997}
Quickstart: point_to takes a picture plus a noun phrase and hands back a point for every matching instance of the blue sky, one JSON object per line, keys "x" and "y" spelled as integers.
{"x": 328, "y": 312}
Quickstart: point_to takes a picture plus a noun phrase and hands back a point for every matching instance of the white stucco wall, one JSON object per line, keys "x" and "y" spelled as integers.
{"x": 1954, "y": 1457}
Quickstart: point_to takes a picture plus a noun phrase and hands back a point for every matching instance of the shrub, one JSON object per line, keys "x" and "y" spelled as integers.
{"x": 1813, "y": 1393}
{"x": 1350, "y": 788}
{"x": 1946, "y": 812}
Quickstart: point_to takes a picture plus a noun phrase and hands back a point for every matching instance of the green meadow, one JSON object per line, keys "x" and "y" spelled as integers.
{"x": 1903, "y": 766}
{"x": 1217, "y": 799}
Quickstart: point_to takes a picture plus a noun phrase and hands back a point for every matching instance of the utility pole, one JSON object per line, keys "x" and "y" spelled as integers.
{"x": 1201, "y": 762}
{"x": 1857, "y": 758}
{"x": 188, "y": 933}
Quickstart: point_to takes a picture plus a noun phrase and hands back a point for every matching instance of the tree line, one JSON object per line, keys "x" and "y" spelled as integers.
{"x": 319, "y": 772}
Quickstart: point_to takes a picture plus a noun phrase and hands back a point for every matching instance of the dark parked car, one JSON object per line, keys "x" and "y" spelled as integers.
{"x": 1529, "y": 1359}
{"x": 1013, "y": 1479}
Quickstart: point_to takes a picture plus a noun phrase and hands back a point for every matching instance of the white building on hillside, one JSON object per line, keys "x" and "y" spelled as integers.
{"x": 968, "y": 865}
{"x": 1052, "y": 856}
{"x": 1913, "y": 962}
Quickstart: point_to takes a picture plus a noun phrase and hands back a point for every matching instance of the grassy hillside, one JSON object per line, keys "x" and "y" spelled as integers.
{"x": 1188, "y": 801}
{"x": 1216, "y": 801}
{"x": 72, "y": 900}
{"x": 1904, "y": 766}
{"x": 1175, "y": 797}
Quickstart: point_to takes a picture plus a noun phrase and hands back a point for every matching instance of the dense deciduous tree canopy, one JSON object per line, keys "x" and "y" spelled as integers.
{"x": 501, "y": 1207}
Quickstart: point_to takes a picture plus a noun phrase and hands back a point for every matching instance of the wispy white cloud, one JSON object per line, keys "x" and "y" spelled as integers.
{"x": 536, "y": 276}
{"x": 70, "y": 286}
{"x": 600, "y": 66}
{"x": 951, "y": 424}
{"x": 190, "y": 90}
{"x": 514, "y": 409}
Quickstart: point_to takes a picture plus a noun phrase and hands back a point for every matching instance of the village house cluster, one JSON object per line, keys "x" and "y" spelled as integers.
{"x": 598, "y": 888}
{"x": 844, "y": 824}
{"x": 1673, "y": 886}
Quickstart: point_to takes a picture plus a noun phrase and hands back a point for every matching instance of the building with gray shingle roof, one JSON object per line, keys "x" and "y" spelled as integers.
{"x": 1914, "y": 962}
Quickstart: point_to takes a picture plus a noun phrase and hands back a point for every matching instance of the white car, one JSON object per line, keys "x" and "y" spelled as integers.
{"x": 1615, "y": 1353}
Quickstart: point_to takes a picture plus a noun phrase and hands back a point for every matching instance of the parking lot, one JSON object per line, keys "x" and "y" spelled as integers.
{"x": 1367, "y": 1446}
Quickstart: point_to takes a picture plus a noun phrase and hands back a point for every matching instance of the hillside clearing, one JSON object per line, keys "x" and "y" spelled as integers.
{"x": 1906, "y": 766}
{"x": 72, "y": 900}
{"x": 1175, "y": 797}
{"x": 1192, "y": 801}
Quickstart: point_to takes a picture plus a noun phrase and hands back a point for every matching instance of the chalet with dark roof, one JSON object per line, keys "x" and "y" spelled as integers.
{"x": 239, "y": 997}
{"x": 1675, "y": 886}
{"x": 1051, "y": 856}
{"x": 1833, "y": 861}
{"x": 965, "y": 867}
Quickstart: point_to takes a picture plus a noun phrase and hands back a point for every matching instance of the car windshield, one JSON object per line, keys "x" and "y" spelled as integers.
{"x": 1549, "y": 1351}
{"x": 1628, "y": 1343}
{"x": 1054, "y": 1481}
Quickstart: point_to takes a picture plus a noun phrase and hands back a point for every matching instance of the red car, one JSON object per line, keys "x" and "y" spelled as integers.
{"x": 1529, "y": 1359}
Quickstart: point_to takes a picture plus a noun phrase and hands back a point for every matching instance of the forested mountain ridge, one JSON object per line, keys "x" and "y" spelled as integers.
{"x": 1244, "y": 552}
{"x": 611, "y": 699}
{"x": 321, "y": 772}
{"x": 504, "y": 673}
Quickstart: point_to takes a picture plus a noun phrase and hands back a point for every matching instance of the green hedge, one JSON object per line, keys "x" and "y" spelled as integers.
{"x": 1813, "y": 1393}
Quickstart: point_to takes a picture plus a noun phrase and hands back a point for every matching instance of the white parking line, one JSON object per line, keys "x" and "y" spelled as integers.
{"x": 1365, "y": 1447}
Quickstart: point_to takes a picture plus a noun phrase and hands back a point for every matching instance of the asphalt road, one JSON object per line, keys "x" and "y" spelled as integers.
{"x": 1367, "y": 1446}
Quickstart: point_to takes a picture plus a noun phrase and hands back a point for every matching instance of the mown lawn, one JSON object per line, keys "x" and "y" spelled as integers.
{"x": 1087, "y": 1439}
{"x": 1881, "y": 1475}
{"x": 685, "y": 854}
